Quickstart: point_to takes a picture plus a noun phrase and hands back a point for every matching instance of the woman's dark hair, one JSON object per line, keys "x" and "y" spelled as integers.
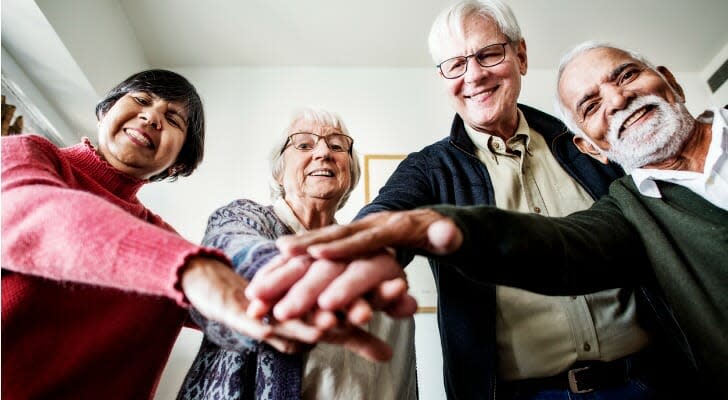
{"x": 169, "y": 86}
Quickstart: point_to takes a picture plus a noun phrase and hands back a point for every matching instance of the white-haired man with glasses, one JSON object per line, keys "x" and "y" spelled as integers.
{"x": 497, "y": 341}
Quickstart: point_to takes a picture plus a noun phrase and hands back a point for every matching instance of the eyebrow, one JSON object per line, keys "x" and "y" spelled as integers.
{"x": 612, "y": 76}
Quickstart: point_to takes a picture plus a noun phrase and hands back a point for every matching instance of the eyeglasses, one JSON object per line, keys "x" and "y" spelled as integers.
{"x": 488, "y": 56}
{"x": 306, "y": 141}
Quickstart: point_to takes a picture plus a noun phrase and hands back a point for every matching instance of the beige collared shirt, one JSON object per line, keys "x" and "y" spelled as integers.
{"x": 541, "y": 335}
{"x": 331, "y": 372}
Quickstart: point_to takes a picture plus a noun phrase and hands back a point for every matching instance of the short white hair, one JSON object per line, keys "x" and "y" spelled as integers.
{"x": 450, "y": 22}
{"x": 321, "y": 117}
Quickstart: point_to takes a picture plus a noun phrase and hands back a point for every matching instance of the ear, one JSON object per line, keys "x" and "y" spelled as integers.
{"x": 670, "y": 78}
{"x": 522, "y": 57}
{"x": 587, "y": 148}
{"x": 173, "y": 170}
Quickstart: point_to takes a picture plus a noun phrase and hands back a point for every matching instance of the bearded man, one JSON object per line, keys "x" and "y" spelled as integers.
{"x": 663, "y": 227}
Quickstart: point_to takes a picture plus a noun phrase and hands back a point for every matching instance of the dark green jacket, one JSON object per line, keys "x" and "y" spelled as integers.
{"x": 675, "y": 246}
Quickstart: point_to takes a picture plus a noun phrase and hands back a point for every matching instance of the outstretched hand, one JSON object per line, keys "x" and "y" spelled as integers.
{"x": 217, "y": 293}
{"x": 334, "y": 266}
{"x": 291, "y": 287}
{"x": 422, "y": 229}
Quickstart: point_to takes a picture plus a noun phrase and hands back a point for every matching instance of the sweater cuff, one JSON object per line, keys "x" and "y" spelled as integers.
{"x": 153, "y": 263}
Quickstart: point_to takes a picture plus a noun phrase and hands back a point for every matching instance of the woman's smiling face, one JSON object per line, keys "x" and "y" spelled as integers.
{"x": 142, "y": 134}
{"x": 320, "y": 173}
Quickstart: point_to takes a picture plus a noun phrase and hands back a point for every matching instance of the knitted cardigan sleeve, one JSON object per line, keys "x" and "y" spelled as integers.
{"x": 53, "y": 230}
{"x": 245, "y": 231}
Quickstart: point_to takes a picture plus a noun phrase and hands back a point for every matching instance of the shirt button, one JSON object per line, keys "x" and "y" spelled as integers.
{"x": 587, "y": 346}
{"x": 537, "y": 210}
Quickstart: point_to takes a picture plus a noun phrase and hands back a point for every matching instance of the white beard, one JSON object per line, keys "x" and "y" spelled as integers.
{"x": 656, "y": 140}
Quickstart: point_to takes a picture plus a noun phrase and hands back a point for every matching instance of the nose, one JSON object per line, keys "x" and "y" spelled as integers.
{"x": 321, "y": 149}
{"x": 616, "y": 98}
{"x": 152, "y": 117}
{"x": 473, "y": 72}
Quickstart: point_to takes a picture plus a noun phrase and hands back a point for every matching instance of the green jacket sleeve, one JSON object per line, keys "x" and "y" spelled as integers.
{"x": 581, "y": 253}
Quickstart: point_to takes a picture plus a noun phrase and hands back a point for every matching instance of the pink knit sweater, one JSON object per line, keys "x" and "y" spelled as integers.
{"x": 90, "y": 300}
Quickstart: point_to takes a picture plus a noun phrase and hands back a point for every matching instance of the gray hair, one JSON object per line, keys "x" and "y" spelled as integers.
{"x": 450, "y": 22}
{"x": 321, "y": 117}
{"x": 561, "y": 110}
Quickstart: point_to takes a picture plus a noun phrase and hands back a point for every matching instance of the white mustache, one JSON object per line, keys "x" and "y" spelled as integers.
{"x": 620, "y": 117}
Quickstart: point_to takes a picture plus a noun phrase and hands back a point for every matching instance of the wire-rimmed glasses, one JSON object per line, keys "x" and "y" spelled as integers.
{"x": 488, "y": 56}
{"x": 307, "y": 141}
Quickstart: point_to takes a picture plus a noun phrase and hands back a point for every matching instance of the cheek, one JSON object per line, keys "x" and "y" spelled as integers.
{"x": 453, "y": 87}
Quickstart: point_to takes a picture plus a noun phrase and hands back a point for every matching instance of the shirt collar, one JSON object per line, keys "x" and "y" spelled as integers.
{"x": 285, "y": 213}
{"x": 483, "y": 140}
{"x": 644, "y": 178}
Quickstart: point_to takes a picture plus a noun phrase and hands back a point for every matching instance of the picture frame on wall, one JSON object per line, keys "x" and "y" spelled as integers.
{"x": 377, "y": 169}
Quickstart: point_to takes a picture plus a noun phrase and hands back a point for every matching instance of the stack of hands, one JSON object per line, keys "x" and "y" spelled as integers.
{"x": 326, "y": 283}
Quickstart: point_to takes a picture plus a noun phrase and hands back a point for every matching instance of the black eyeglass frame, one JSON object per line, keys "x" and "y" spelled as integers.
{"x": 467, "y": 58}
{"x": 319, "y": 137}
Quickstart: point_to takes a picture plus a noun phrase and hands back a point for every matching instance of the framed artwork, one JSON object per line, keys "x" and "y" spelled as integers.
{"x": 377, "y": 169}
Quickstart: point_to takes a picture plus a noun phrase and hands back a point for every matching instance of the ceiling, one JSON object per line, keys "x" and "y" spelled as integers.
{"x": 74, "y": 50}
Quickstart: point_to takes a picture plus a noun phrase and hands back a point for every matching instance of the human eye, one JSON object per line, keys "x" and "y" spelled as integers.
{"x": 141, "y": 98}
{"x": 453, "y": 64}
{"x": 303, "y": 141}
{"x": 489, "y": 53}
{"x": 629, "y": 74}
{"x": 175, "y": 120}
{"x": 589, "y": 108}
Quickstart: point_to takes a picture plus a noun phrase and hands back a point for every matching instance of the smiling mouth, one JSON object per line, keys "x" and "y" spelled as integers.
{"x": 322, "y": 172}
{"x": 484, "y": 93}
{"x": 139, "y": 138}
{"x": 636, "y": 117}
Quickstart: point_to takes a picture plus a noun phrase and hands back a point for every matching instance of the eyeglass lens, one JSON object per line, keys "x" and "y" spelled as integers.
{"x": 488, "y": 56}
{"x": 304, "y": 141}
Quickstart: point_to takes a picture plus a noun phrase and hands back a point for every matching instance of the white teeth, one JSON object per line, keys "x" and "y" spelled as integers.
{"x": 634, "y": 117}
{"x": 138, "y": 136}
{"x": 481, "y": 94}
{"x": 321, "y": 173}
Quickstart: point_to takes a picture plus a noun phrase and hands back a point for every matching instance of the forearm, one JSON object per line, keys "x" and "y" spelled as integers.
{"x": 238, "y": 230}
{"x": 584, "y": 252}
{"x": 70, "y": 235}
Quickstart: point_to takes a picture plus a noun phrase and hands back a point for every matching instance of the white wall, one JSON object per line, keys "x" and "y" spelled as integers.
{"x": 388, "y": 111}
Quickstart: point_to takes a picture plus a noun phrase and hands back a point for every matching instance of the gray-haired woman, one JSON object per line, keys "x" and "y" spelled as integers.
{"x": 313, "y": 173}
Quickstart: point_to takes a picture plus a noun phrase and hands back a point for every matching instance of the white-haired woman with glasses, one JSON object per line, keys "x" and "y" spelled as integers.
{"x": 314, "y": 170}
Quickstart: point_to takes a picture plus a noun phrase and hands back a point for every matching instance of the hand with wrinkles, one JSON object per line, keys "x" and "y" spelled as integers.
{"x": 217, "y": 292}
{"x": 308, "y": 273}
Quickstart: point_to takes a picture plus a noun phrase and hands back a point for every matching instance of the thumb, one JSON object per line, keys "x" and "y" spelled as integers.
{"x": 444, "y": 236}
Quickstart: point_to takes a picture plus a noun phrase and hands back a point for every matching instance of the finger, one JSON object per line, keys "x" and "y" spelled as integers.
{"x": 297, "y": 330}
{"x": 258, "y": 308}
{"x": 444, "y": 236}
{"x": 273, "y": 283}
{"x": 233, "y": 315}
{"x": 302, "y": 296}
{"x": 357, "y": 244}
{"x": 388, "y": 292}
{"x": 392, "y": 297}
{"x": 404, "y": 307}
{"x": 361, "y": 343}
{"x": 402, "y": 229}
{"x": 287, "y": 346}
{"x": 324, "y": 320}
{"x": 360, "y": 312}
{"x": 297, "y": 244}
{"x": 358, "y": 278}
